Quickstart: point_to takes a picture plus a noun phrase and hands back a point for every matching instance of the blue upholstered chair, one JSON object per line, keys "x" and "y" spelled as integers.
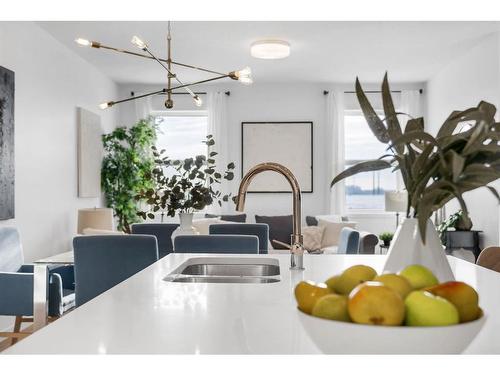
{"x": 215, "y": 243}
{"x": 162, "y": 232}
{"x": 348, "y": 242}
{"x": 101, "y": 262}
{"x": 16, "y": 284}
{"x": 259, "y": 230}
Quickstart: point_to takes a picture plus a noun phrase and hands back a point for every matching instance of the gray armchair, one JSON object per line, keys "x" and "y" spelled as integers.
{"x": 16, "y": 284}
{"x": 367, "y": 243}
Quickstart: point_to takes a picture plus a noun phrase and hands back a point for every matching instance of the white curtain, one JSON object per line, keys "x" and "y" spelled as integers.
{"x": 218, "y": 127}
{"x": 143, "y": 108}
{"x": 411, "y": 103}
{"x": 335, "y": 149}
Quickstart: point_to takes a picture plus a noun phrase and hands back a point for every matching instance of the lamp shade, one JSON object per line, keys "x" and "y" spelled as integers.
{"x": 396, "y": 201}
{"x": 95, "y": 218}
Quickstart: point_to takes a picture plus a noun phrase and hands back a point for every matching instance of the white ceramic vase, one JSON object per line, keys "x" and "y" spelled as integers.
{"x": 185, "y": 227}
{"x": 407, "y": 248}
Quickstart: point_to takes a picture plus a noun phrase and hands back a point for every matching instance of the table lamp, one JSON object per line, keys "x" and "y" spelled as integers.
{"x": 396, "y": 201}
{"x": 95, "y": 218}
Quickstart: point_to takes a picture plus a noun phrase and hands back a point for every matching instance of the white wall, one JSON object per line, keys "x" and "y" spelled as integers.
{"x": 277, "y": 102}
{"x": 51, "y": 81}
{"x": 463, "y": 83}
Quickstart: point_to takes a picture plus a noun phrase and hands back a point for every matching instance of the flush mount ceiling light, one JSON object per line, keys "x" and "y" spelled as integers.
{"x": 270, "y": 49}
{"x": 243, "y": 75}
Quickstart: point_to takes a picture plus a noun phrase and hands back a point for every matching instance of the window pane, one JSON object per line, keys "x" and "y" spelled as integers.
{"x": 360, "y": 143}
{"x": 365, "y": 191}
{"x": 182, "y": 136}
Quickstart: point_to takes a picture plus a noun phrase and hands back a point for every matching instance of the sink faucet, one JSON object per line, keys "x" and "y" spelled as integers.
{"x": 297, "y": 246}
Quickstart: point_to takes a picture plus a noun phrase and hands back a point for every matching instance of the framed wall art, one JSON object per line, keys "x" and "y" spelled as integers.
{"x": 289, "y": 143}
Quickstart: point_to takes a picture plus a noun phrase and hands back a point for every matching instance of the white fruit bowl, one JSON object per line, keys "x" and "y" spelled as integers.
{"x": 333, "y": 337}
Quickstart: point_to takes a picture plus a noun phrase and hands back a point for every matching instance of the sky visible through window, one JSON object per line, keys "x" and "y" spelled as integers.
{"x": 182, "y": 136}
{"x": 365, "y": 191}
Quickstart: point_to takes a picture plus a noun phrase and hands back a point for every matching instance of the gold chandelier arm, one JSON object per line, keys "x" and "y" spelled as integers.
{"x": 127, "y": 52}
{"x": 198, "y": 82}
{"x": 111, "y": 103}
{"x": 198, "y": 68}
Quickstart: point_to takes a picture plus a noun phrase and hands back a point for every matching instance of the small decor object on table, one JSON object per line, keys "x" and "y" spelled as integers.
{"x": 463, "y": 156}
{"x": 386, "y": 238}
{"x": 190, "y": 188}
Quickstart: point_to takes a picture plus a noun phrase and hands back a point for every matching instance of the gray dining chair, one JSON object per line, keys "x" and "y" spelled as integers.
{"x": 490, "y": 258}
{"x": 162, "y": 232}
{"x": 259, "y": 230}
{"x": 16, "y": 285}
{"x": 217, "y": 243}
{"x": 101, "y": 262}
{"x": 348, "y": 241}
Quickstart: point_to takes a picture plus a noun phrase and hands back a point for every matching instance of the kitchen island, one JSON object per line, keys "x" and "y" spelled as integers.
{"x": 147, "y": 315}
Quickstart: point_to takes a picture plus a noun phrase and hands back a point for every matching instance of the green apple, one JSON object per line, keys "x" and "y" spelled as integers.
{"x": 426, "y": 309}
{"x": 462, "y": 295}
{"x": 307, "y": 293}
{"x": 352, "y": 277}
{"x": 419, "y": 276}
{"x": 332, "y": 306}
{"x": 396, "y": 282}
{"x": 332, "y": 281}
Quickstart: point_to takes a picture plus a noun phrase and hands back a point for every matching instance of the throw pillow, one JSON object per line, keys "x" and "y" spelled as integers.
{"x": 311, "y": 221}
{"x": 201, "y": 225}
{"x": 280, "y": 228}
{"x": 331, "y": 235}
{"x": 312, "y": 237}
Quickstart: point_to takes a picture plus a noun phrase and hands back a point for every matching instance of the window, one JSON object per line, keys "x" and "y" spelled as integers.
{"x": 181, "y": 133}
{"x": 365, "y": 191}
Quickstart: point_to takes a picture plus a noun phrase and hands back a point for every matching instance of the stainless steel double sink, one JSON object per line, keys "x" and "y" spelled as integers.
{"x": 230, "y": 270}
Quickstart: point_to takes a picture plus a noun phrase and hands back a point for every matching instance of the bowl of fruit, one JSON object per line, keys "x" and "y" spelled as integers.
{"x": 360, "y": 312}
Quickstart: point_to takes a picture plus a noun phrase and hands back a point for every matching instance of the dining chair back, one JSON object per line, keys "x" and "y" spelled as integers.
{"x": 490, "y": 258}
{"x": 101, "y": 262}
{"x": 162, "y": 232}
{"x": 259, "y": 230}
{"x": 217, "y": 243}
{"x": 348, "y": 241}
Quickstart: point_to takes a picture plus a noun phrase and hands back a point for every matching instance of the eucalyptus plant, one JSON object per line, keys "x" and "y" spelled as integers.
{"x": 463, "y": 156}
{"x": 191, "y": 187}
{"x": 125, "y": 169}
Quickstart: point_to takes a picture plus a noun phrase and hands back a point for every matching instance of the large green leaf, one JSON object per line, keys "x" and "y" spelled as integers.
{"x": 365, "y": 166}
{"x": 415, "y": 124}
{"x": 393, "y": 126}
{"x": 374, "y": 122}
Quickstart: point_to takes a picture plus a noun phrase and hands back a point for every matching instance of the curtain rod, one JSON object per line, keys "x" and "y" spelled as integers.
{"x": 228, "y": 93}
{"x": 325, "y": 92}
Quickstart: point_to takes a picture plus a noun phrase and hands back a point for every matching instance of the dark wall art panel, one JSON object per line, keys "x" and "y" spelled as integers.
{"x": 6, "y": 144}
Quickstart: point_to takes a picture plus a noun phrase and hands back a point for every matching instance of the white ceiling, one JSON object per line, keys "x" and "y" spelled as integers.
{"x": 320, "y": 51}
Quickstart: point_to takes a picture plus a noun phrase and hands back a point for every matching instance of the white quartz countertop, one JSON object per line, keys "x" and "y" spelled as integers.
{"x": 145, "y": 314}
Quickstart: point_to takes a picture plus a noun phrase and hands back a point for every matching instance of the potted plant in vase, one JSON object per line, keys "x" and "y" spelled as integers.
{"x": 463, "y": 156}
{"x": 386, "y": 238}
{"x": 458, "y": 221}
{"x": 184, "y": 186}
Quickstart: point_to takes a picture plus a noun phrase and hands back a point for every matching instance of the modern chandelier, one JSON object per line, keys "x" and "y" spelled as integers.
{"x": 244, "y": 75}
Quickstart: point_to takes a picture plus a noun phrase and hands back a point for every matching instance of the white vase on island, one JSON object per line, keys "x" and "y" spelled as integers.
{"x": 407, "y": 248}
{"x": 186, "y": 225}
